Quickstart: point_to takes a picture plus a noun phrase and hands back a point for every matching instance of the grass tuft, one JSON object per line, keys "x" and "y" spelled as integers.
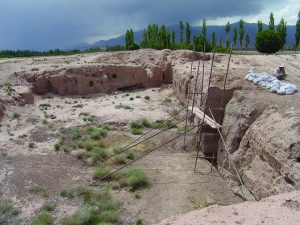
{"x": 121, "y": 106}
{"x": 136, "y": 131}
{"x": 101, "y": 172}
{"x": 43, "y": 219}
{"x": 48, "y": 207}
{"x": 99, "y": 154}
{"x": 8, "y": 214}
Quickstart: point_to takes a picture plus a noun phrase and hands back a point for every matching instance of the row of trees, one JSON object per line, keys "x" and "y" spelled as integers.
{"x": 52, "y": 52}
{"x": 162, "y": 38}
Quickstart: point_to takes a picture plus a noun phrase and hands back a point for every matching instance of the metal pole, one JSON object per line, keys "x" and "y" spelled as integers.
{"x": 187, "y": 109}
{"x": 195, "y": 88}
{"x": 229, "y": 156}
{"x": 204, "y": 111}
{"x": 202, "y": 73}
{"x": 225, "y": 81}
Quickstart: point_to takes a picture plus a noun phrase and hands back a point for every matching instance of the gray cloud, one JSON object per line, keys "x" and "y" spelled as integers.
{"x": 44, "y": 24}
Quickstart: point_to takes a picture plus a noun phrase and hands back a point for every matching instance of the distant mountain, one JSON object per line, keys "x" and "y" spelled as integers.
{"x": 250, "y": 28}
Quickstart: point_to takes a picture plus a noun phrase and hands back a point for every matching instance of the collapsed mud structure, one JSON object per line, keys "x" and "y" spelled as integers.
{"x": 261, "y": 130}
{"x": 100, "y": 79}
{"x": 104, "y": 75}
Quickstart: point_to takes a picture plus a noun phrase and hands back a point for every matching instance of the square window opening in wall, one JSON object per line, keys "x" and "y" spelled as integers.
{"x": 114, "y": 76}
{"x": 91, "y": 84}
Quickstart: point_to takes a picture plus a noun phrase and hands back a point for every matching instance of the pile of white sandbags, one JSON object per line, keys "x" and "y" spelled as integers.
{"x": 270, "y": 82}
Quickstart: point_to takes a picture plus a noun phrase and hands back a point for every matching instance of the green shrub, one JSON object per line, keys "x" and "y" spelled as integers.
{"x": 100, "y": 208}
{"x": 43, "y": 219}
{"x": 44, "y": 121}
{"x": 99, "y": 154}
{"x": 136, "y": 124}
{"x": 67, "y": 193}
{"x": 83, "y": 155}
{"x": 77, "y": 106}
{"x": 16, "y": 116}
{"x": 138, "y": 96}
{"x": 97, "y": 133}
{"x": 146, "y": 123}
{"x": 56, "y": 146}
{"x": 136, "y": 131}
{"x": 137, "y": 179}
{"x": 109, "y": 216}
{"x": 268, "y": 41}
{"x": 147, "y": 97}
{"x": 118, "y": 160}
{"x": 87, "y": 145}
{"x": 36, "y": 189}
{"x": 121, "y": 106}
{"x": 101, "y": 172}
{"x": 130, "y": 156}
{"x": 162, "y": 124}
{"x": 44, "y": 106}
{"x": 221, "y": 49}
{"x": 131, "y": 98}
{"x": 48, "y": 207}
{"x": 84, "y": 216}
{"x": 76, "y": 133}
{"x": 106, "y": 126}
{"x": 105, "y": 201}
{"x": 22, "y": 136}
{"x": 8, "y": 214}
{"x": 167, "y": 100}
{"x": 7, "y": 87}
{"x": 31, "y": 145}
{"x": 87, "y": 117}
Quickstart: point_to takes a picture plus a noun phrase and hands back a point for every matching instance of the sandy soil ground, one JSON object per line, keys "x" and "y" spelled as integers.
{"x": 171, "y": 173}
{"x": 175, "y": 187}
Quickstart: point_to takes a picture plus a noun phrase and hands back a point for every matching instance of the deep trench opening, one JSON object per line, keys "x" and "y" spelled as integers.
{"x": 210, "y": 137}
{"x": 131, "y": 87}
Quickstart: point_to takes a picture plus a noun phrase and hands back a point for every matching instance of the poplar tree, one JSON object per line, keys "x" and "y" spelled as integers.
{"x": 241, "y": 33}
{"x": 235, "y": 36}
{"x": 297, "y": 33}
{"x": 173, "y": 38}
{"x": 181, "y": 31}
{"x": 227, "y": 30}
{"x": 271, "y": 22}
{"x": 281, "y": 30}
{"x": 247, "y": 41}
{"x": 188, "y": 33}
{"x": 213, "y": 40}
{"x": 204, "y": 29}
{"x": 259, "y": 26}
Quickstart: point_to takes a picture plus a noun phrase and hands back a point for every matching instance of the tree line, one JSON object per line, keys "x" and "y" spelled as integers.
{"x": 266, "y": 41}
{"x": 52, "y": 52}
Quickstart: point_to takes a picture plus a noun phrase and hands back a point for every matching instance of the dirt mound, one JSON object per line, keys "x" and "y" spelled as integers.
{"x": 280, "y": 209}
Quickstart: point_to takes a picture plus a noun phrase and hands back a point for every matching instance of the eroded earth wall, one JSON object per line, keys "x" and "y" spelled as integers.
{"x": 263, "y": 138}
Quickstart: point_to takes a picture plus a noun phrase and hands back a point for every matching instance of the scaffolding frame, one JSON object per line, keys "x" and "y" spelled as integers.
{"x": 203, "y": 107}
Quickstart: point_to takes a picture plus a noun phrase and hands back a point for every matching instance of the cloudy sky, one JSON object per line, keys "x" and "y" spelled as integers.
{"x": 45, "y": 24}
